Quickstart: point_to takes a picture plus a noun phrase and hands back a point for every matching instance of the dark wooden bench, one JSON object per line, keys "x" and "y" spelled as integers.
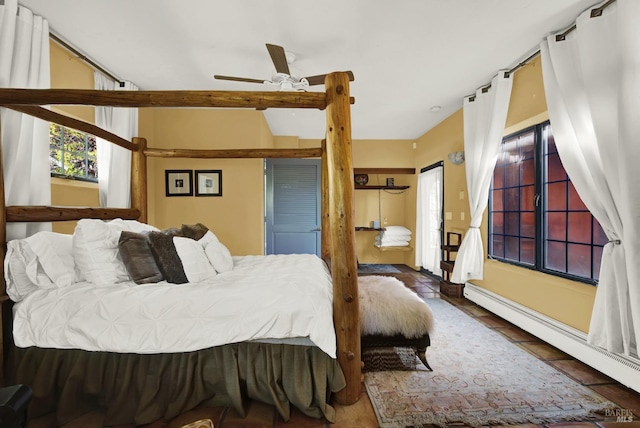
{"x": 419, "y": 344}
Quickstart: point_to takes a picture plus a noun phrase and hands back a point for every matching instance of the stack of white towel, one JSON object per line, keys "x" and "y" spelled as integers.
{"x": 393, "y": 236}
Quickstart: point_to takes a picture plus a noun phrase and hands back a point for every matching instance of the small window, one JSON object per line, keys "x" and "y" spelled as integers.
{"x": 72, "y": 154}
{"x": 536, "y": 218}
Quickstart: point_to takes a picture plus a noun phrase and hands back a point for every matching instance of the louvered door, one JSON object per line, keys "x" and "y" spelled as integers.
{"x": 292, "y": 215}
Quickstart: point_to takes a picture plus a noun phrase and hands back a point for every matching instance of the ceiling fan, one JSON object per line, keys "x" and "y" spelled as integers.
{"x": 283, "y": 77}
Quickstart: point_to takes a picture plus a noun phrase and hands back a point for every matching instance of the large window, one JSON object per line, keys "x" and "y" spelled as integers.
{"x": 72, "y": 154}
{"x": 536, "y": 218}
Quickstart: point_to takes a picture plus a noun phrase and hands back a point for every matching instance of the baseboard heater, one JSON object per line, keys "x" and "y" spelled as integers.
{"x": 622, "y": 368}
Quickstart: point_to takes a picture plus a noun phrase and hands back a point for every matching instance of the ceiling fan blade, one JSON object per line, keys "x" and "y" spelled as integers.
{"x": 237, "y": 79}
{"x": 279, "y": 58}
{"x": 316, "y": 80}
{"x": 319, "y": 79}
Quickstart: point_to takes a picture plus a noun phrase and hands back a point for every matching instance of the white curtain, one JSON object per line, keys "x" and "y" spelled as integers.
{"x": 484, "y": 116}
{"x": 592, "y": 86}
{"x": 429, "y": 220}
{"x": 24, "y": 63}
{"x": 114, "y": 162}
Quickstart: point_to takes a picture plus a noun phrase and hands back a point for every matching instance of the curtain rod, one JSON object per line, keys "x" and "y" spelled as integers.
{"x": 596, "y": 12}
{"x": 84, "y": 58}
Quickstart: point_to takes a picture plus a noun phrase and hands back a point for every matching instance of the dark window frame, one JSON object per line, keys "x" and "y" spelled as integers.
{"x": 540, "y": 206}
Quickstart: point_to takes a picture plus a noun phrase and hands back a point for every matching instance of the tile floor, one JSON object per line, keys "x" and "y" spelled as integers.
{"x": 361, "y": 414}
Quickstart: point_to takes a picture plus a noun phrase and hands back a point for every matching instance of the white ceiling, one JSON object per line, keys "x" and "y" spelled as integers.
{"x": 407, "y": 55}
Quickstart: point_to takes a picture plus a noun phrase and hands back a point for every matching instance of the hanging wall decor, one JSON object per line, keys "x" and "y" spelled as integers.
{"x": 179, "y": 182}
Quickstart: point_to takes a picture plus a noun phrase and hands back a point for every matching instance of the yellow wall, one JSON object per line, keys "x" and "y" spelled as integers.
{"x": 567, "y": 301}
{"x": 72, "y": 193}
{"x": 237, "y": 217}
{"x": 68, "y": 72}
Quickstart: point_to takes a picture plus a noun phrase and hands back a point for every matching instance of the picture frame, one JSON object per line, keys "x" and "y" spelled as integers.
{"x": 209, "y": 182}
{"x": 178, "y": 182}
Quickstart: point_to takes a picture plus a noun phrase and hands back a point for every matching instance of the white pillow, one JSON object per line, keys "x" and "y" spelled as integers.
{"x": 396, "y": 230}
{"x": 194, "y": 260}
{"x": 44, "y": 260}
{"x": 18, "y": 259}
{"x": 55, "y": 254}
{"x": 95, "y": 249}
{"x": 217, "y": 253}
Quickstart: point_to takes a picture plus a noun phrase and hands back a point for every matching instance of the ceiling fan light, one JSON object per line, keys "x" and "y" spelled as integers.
{"x": 286, "y": 85}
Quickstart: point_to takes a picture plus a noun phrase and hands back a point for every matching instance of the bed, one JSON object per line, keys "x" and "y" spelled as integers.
{"x": 140, "y": 387}
{"x": 67, "y": 319}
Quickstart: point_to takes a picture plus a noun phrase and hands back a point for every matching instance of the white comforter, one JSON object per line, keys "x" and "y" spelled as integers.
{"x": 275, "y": 296}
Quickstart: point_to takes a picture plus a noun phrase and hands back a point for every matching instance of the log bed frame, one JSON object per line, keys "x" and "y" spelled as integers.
{"x": 338, "y": 229}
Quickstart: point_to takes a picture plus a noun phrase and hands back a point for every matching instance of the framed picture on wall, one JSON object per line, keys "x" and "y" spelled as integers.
{"x": 209, "y": 182}
{"x": 179, "y": 182}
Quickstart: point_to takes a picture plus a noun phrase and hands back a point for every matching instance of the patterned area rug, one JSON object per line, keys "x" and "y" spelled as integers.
{"x": 376, "y": 268}
{"x": 479, "y": 378}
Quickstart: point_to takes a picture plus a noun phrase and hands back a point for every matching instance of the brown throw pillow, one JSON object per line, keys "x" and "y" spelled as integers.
{"x": 166, "y": 256}
{"x": 194, "y": 231}
{"x": 138, "y": 258}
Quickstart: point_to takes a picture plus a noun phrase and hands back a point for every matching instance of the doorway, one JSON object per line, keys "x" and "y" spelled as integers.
{"x": 429, "y": 218}
{"x": 292, "y": 206}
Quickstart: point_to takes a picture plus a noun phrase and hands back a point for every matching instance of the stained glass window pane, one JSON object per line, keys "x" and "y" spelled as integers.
{"x": 556, "y": 256}
{"x": 527, "y": 251}
{"x": 557, "y": 196}
{"x": 579, "y": 260}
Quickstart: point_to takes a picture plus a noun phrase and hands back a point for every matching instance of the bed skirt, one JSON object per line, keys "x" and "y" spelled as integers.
{"x": 140, "y": 389}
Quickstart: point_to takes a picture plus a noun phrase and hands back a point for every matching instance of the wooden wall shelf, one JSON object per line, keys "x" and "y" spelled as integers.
{"x": 381, "y": 187}
{"x": 387, "y": 248}
{"x": 384, "y": 170}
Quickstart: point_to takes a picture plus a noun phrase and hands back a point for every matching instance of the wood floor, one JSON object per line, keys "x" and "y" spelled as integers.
{"x": 361, "y": 414}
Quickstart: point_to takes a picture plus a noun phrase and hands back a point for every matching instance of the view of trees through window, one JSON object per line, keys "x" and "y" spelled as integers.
{"x": 72, "y": 153}
{"x": 536, "y": 218}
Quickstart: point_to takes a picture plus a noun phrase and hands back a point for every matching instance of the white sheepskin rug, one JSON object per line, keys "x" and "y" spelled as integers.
{"x": 388, "y": 307}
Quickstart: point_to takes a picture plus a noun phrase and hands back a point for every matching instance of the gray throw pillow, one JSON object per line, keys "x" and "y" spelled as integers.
{"x": 166, "y": 256}
{"x": 137, "y": 257}
{"x": 194, "y": 231}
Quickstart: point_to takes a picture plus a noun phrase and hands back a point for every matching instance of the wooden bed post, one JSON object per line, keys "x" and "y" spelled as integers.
{"x": 346, "y": 310}
{"x": 5, "y": 304}
{"x": 325, "y": 240}
{"x": 3, "y": 222}
{"x": 139, "y": 178}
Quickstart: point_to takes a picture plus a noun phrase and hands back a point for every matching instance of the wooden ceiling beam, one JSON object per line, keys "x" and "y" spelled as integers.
{"x": 239, "y": 99}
